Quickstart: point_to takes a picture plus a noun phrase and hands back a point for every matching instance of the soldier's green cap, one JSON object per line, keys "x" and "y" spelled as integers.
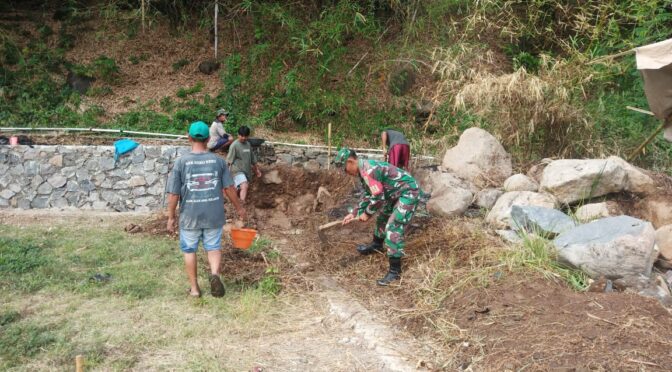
{"x": 199, "y": 130}
{"x": 222, "y": 112}
{"x": 342, "y": 156}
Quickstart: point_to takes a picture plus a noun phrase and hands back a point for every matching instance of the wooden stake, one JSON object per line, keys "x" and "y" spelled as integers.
{"x": 79, "y": 363}
{"x": 662, "y": 127}
{"x": 216, "y": 13}
{"x": 328, "y": 146}
{"x": 142, "y": 11}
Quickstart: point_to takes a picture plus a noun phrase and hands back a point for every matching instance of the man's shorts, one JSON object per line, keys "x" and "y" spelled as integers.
{"x": 239, "y": 179}
{"x": 189, "y": 238}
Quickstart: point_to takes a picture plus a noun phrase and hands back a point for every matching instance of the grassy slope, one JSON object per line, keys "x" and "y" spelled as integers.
{"x": 297, "y": 68}
{"x": 52, "y": 310}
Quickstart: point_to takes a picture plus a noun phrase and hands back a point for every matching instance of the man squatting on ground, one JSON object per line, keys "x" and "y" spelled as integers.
{"x": 242, "y": 160}
{"x": 219, "y": 139}
{"x": 396, "y": 192}
{"x": 199, "y": 181}
{"x": 398, "y": 151}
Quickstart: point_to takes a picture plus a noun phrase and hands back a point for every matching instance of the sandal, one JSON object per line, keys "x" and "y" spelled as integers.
{"x": 193, "y": 295}
{"x": 216, "y": 286}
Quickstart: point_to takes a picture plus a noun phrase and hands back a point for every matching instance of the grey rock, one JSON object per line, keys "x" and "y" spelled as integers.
{"x": 73, "y": 198}
{"x": 157, "y": 189}
{"x": 285, "y": 159}
{"x": 110, "y": 196}
{"x": 82, "y": 174}
{"x": 106, "y": 184}
{"x": 136, "y": 181}
{"x": 99, "y": 205}
{"x": 450, "y": 201}
{"x": 313, "y": 153}
{"x": 47, "y": 170}
{"x": 509, "y": 236}
{"x": 36, "y": 181}
{"x": 4, "y": 203}
{"x": 106, "y": 164}
{"x": 23, "y": 204}
{"x": 124, "y": 161}
{"x": 139, "y": 191}
{"x": 86, "y": 186}
{"x": 322, "y": 160}
{"x": 152, "y": 151}
{"x": 7, "y": 194}
{"x": 162, "y": 168}
{"x": 168, "y": 152}
{"x": 31, "y": 154}
{"x": 520, "y": 182}
{"x": 32, "y": 168}
{"x": 272, "y": 177}
{"x": 56, "y": 161}
{"x": 500, "y": 214}
{"x": 487, "y": 198}
{"x": 545, "y": 222}
{"x": 69, "y": 172}
{"x": 14, "y": 187}
{"x": 143, "y": 201}
{"x": 150, "y": 178}
{"x": 40, "y": 202}
{"x": 17, "y": 170}
{"x": 148, "y": 165}
{"x": 120, "y": 185}
{"x": 5, "y": 180}
{"x": 138, "y": 155}
{"x": 613, "y": 247}
{"x": 3, "y": 168}
{"x": 59, "y": 203}
{"x": 136, "y": 169}
{"x": 44, "y": 189}
{"x": 71, "y": 186}
{"x": 120, "y": 173}
{"x": 57, "y": 180}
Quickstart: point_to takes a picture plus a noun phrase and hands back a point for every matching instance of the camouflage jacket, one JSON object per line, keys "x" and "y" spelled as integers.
{"x": 382, "y": 182}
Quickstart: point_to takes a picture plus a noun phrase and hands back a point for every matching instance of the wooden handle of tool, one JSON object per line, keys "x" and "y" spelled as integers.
{"x": 330, "y": 224}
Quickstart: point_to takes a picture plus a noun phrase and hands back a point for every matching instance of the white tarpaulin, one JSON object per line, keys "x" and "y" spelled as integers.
{"x": 655, "y": 64}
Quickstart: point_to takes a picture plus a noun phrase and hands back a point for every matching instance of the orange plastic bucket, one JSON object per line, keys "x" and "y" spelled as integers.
{"x": 242, "y": 238}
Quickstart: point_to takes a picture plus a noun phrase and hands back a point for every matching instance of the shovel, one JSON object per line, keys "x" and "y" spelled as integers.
{"x": 322, "y": 228}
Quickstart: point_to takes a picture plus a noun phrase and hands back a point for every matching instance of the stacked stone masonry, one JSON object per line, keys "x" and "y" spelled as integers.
{"x": 88, "y": 177}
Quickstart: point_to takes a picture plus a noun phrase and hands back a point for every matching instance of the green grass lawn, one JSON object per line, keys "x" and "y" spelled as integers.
{"x": 141, "y": 318}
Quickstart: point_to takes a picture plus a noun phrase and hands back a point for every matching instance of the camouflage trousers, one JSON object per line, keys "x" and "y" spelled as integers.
{"x": 392, "y": 220}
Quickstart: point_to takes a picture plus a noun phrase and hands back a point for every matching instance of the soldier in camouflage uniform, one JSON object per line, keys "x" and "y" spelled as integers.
{"x": 395, "y": 193}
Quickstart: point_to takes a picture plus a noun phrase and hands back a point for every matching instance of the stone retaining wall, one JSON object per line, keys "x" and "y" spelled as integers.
{"x": 87, "y": 177}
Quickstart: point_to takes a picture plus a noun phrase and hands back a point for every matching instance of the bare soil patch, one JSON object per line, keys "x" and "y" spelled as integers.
{"x": 455, "y": 292}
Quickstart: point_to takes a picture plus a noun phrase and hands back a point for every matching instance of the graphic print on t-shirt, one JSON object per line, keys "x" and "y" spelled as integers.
{"x": 202, "y": 181}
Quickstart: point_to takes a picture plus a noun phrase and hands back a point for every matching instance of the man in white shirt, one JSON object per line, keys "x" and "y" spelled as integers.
{"x": 219, "y": 139}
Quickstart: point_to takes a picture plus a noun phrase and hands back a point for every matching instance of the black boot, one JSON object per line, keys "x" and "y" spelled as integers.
{"x": 393, "y": 274}
{"x": 375, "y": 246}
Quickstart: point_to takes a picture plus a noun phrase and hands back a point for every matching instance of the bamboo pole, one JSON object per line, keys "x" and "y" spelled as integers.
{"x": 216, "y": 13}
{"x": 328, "y": 146}
{"x": 641, "y": 111}
{"x": 611, "y": 56}
{"x": 79, "y": 363}
{"x": 662, "y": 127}
{"x": 142, "y": 11}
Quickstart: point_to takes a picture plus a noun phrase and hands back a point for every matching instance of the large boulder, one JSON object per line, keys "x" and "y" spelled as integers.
{"x": 664, "y": 242}
{"x": 450, "y": 201}
{"x": 594, "y": 211}
{"x": 272, "y": 177}
{"x": 613, "y": 247}
{"x": 520, "y": 182}
{"x": 658, "y": 210}
{"x": 487, "y": 198}
{"x": 479, "y": 158}
{"x": 451, "y": 196}
{"x": 434, "y": 181}
{"x": 574, "y": 180}
{"x": 500, "y": 214}
{"x": 546, "y": 222}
